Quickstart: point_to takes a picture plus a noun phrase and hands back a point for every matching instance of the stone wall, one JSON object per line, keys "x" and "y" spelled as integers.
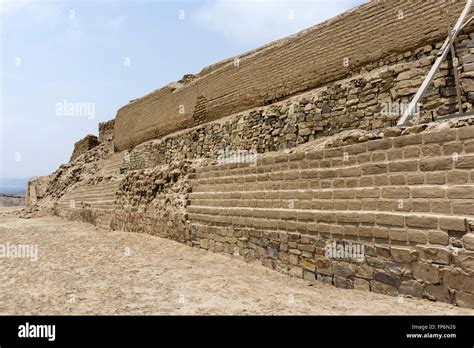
{"x": 321, "y": 161}
{"x": 375, "y": 33}
{"x": 106, "y": 130}
{"x": 374, "y": 100}
{"x": 82, "y": 146}
{"x": 406, "y": 197}
{"x": 36, "y": 190}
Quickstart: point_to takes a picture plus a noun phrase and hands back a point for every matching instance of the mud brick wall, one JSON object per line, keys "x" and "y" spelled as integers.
{"x": 84, "y": 145}
{"x": 310, "y": 59}
{"x": 330, "y": 168}
{"x": 106, "y": 130}
{"x": 36, "y": 189}
{"x": 369, "y": 101}
{"x": 408, "y": 199}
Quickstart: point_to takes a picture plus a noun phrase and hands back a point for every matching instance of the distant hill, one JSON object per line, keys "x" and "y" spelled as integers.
{"x": 11, "y": 200}
{"x": 13, "y": 186}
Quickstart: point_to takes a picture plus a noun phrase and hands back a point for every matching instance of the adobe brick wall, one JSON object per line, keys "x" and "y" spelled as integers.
{"x": 36, "y": 190}
{"x": 369, "y": 102}
{"x": 407, "y": 199}
{"x": 82, "y": 146}
{"x": 406, "y": 196}
{"x": 106, "y": 130}
{"x": 329, "y": 167}
{"x": 313, "y": 58}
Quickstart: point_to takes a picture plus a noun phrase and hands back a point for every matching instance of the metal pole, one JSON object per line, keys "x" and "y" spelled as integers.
{"x": 455, "y": 64}
{"x": 441, "y": 56}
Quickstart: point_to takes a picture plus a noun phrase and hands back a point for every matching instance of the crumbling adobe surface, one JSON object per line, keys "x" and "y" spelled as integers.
{"x": 84, "y": 145}
{"x": 106, "y": 131}
{"x": 405, "y": 194}
{"x": 331, "y": 51}
{"x": 319, "y": 167}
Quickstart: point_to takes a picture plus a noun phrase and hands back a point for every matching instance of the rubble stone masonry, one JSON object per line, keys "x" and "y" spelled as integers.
{"x": 404, "y": 198}
{"x": 289, "y": 156}
{"x": 82, "y": 146}
{"x": 374, "y": 34}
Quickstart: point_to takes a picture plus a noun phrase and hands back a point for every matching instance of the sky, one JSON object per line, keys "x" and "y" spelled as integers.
{"x": 65, "y": 66}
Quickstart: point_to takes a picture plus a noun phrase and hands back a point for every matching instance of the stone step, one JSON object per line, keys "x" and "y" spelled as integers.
{"x": 100, "y": 209}
{"x": 305, "y": 180}
{"x": 67, "y": 200}
{"x": 434, "y": 226}
{"x": 432, "y": 159}
{"x": 110, "y": 195}
{"x": 386, "y": 205}
{"x": 399, "y": 219}
{"x": 95, "y": 190}
{"x": 445, "y": 199}
{"x": 425, "y": 192}
{"x": 113, "y": 164}
{"x": 101, "y": 185}
{"x": 80, "y": 205}
{"x": 81, "y": 201}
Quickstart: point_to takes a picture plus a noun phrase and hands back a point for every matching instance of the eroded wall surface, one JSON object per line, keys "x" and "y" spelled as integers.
{"x": 315, "y": 57}
{"x": 306, "y": 171}
{"x": 85, "y": 144}
{"x": 402, "y": 201}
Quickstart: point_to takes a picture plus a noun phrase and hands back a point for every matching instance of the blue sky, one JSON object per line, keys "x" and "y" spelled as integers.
{"x": 104, "y": 53}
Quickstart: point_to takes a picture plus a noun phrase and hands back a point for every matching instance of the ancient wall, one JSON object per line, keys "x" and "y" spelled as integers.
{"x": 361, "y": 102}
{"x": 314, "y": 159}
{"x": 315, "y": 57}
{"x": 36, "y": 190}
{"x": 106, "y": 130}
{"x": 406, "y": 199}
{"x": 84, "y": 145}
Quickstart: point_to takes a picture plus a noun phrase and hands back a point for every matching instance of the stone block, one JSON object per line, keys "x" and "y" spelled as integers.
{"x": 344, "y": 269}
{"x": 361, "y": 284}
{"x": 421, "y": 221}
{"x": 426, "y": 272}
{"x": 343, "y": 283}
{"x": 438, "y": 293}
{"x": 468, "y": 241}
{"x": 324, "y": 266}
{"x": 464, "y": 299}
{"x": 386, "y": 278}
{"x": 435, "y": 254}
{"x": 403, "y": 255}
{"x": 296, "y": 272}
{"x": 461, "y": 192}
{"x": 456, "y": 279}
{"x": 438, "y": 237}
{"x": 384, "y": 289}
{"x": 412, "y": 288}
{"x": 436, "y": 164}
{"x": 310, "y": 276}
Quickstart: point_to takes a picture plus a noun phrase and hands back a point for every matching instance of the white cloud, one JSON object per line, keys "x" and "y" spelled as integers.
{"x": 257, "y": 21}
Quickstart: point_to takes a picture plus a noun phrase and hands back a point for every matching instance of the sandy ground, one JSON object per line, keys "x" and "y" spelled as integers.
{"x": 82, "y": 270}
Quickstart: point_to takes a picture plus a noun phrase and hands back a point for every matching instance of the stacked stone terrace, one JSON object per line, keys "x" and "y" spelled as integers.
{"x": 330, "y": 167}
{"x": 407, "y": 199}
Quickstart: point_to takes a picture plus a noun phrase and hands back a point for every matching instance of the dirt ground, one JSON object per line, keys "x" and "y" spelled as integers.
{"x": 82, "y": 270}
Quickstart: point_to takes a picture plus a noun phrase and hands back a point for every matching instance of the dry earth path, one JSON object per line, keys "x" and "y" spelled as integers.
{"x": 83, "y": 270}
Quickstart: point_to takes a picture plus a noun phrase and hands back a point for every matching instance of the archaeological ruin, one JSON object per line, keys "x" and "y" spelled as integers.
{"x": 291, "y": 155}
